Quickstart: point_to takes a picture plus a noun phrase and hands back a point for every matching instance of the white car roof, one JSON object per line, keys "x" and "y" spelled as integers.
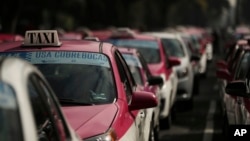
{"x": 162, "y": 34}
{"x": 15, "y": 72}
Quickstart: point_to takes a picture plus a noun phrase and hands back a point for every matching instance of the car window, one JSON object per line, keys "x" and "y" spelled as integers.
{"x": 57, "y": 116}
{"x": 43, "y": 119}
{"x": 243, "y": 67}
{"x": 10, "y": 122}
{"x": 144, "y": 64}
{"x": 124, "y": 77}
{"x": 87, "y": 84}
{"x": 149, "y": 49}
{"x": 83, "y": 78}
{"x": 173, "y": 47}
{"x": 135, "y": 67}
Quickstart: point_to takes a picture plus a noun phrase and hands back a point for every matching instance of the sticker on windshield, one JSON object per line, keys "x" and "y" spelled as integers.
{"x": 50, "y": 57}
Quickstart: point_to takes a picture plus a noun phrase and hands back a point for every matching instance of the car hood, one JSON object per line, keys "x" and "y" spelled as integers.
{"x": 85, "y": 119}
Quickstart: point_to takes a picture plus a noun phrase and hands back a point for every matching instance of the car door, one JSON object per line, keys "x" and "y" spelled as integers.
{"x": 241, "y": 71}
{"x": 130, "y": 86}
{"x": 49, "y": 120}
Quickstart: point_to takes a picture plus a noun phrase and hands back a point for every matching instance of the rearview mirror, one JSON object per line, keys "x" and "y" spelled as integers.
{"x": 143, "y": 100}
{"x": 173, "y": 61}
{"x": 237, "y": 88}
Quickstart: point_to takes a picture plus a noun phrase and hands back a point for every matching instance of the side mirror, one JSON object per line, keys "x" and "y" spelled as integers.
{"x": 155, "y": 80}
{"x": 195, "y": 57}
{"x": 221, "y": 64}
{"x": 224, "y": 74}
{"x": 143, "y": 100}
{"x": 173, "y": 61}
{"x": 237, "y": 88}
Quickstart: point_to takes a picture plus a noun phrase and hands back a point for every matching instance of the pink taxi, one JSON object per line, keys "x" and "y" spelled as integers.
{"x": 147, "y": 82}
{"x": 158, "y": 62}
{"x": 92, "y": 81}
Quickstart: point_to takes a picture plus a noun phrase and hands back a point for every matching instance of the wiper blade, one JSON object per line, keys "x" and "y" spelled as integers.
{"x": 68, "y": 101}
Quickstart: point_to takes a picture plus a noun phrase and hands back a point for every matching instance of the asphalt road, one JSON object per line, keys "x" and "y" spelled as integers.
{"x": 204, "y": 121}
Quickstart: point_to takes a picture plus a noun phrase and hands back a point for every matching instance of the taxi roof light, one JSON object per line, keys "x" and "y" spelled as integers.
{"x": 41, "y": 38}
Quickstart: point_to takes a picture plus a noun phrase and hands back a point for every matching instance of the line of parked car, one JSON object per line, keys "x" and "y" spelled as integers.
{"x": 233, "y": 78}
{"x": 118, "y": 84}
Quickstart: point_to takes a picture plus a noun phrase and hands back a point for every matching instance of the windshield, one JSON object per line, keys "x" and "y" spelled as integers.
{"x": 87, "y": 84}
{"x": 173, "y": 47}
{"x": 10, "y": 123}
{"x": 149, "y": 49}
{"x": 76, "y": 77}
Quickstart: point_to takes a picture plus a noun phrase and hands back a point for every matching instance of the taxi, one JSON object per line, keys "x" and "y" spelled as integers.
{"x": 174, "y": 46}
{"x": 147, "y": 82}
{"x": 29, "y": 109}
{"x": 158, "y": 62}
{"x": 6, "y": 37}
{"x": 92, "y": 81}
{"x": 238, "y": 89}
{"x": 236, "y": 69}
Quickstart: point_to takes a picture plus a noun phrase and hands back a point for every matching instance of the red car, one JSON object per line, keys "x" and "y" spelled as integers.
{"x": 158, "y": 62}
{"x": 92, "y": 81}
{"x": 234, "y": 69}
{"x": 239, "y": 88}
{"x": 4, "y": 37}
{"x": 147, "y": 82}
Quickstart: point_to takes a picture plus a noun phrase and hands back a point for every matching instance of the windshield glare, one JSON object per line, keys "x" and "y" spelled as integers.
{"x": 80, "y": 83}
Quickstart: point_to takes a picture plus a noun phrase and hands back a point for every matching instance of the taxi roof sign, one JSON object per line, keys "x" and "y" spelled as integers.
{"x": 41, "y": 38}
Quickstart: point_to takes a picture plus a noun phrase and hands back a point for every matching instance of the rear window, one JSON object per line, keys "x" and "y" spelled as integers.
{"x": 149, "y": 49}
{"x": 76, "y": 77}
{"x": 173, "y": 47}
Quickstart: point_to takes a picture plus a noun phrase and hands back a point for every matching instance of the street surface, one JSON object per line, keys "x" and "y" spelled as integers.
{"x": 204, "y": 121}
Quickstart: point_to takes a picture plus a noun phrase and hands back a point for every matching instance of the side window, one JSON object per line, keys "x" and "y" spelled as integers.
{"x": 243, "y": 67}
{"x": 10, "y": 121}
{"x": 166, "y": 54}
{"x": 44, "y": 113}
{"x": 144, "y": 65}
{"x": 123, "y": 75}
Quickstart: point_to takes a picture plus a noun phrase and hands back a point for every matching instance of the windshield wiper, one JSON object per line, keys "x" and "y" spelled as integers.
{"x": 68, "y": 101}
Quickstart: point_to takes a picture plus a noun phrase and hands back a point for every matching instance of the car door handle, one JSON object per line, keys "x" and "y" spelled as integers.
{"x": 142, "y": 114}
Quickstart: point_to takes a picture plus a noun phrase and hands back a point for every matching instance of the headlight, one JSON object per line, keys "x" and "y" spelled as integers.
{"x": 182, "y": 73}
{"x": 109, "y": 136}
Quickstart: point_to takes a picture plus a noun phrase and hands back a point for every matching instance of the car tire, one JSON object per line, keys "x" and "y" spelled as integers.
{"x": 225, "y": 127}
{"x": 196, "y": 85}
{"x": 188, "y": 105}
{"x": 154, "y": 132}
{"x": 166, "y": 122}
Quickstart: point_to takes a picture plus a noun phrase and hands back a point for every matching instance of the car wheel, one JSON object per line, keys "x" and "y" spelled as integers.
{"x": 166, "y": 122}
{"x": 196, "y": 85}
{"x": 154, "y": 132}
{"x": 225, "y": 127}
{"x": 188, "y": 105}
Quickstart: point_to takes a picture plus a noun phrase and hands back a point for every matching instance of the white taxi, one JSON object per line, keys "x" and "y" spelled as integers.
{"x": 29, "y": 110}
